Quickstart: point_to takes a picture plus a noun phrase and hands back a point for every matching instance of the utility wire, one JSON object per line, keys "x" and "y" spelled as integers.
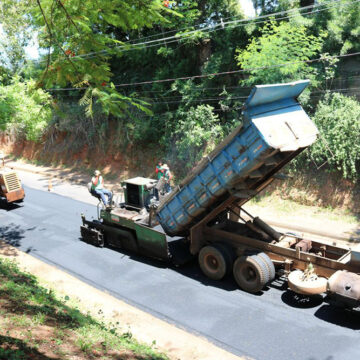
{"x": 354, "y": 90}
{"x": 218, "y": 26}
{"x": 176, "y": 38}
{"x": 216, "y": 74}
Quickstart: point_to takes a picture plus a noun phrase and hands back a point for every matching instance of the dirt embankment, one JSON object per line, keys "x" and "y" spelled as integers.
{"x": 319, "y": 188}
{"x": 310, "y": 187}
{"x": 117, "y": 164}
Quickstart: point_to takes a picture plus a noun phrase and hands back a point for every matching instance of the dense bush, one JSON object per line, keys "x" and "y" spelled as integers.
{"x": 197, "y": 132}
{"x": 338, "y": 119}
{"x": 24, "y": 109}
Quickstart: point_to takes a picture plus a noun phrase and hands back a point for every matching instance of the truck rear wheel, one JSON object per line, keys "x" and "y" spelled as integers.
{"x": 213, "y": 262}
{"x": 251, "y": 273}
{"x": 228, "y": 254}
{"x": 269, "y": 264}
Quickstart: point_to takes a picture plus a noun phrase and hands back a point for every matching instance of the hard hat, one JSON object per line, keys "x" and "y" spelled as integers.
{"x": 97, "y": 173}
{"x": 165, "y": 166}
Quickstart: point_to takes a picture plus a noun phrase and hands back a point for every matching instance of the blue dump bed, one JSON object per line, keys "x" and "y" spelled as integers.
{"x": 275, "y": 129}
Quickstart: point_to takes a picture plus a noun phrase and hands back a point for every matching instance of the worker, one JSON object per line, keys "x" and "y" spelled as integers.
{"x": 167, "y": 176}
{"x": 158, "y": 170}
{"x": 98, "y": 190}
{"x": 159, "y": 174}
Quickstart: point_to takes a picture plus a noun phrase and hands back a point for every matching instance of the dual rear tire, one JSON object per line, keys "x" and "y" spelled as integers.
{"x": 251, "y": 273}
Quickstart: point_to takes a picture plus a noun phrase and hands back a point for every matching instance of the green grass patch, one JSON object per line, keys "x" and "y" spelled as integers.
{"x": 287, "y": 207}
{"x": 38, "y": 324}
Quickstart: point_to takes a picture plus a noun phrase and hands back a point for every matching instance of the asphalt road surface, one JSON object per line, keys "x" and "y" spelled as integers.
{"x": 272, "y": 325}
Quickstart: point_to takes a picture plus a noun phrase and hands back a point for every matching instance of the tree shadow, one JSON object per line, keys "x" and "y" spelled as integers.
{"x": 12, "y": 234}
{"x": 7, "y": 250}
{"x": 13, "y": 348}
{"x": 21, "y": 295}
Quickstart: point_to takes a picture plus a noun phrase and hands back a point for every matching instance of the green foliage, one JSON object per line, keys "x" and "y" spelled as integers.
{"x": 26, "y": 304}
{"x": 197, "y": 132}
{"x": 280, "y": 43}
{"x": 88, "y": 44}
{"x": 15, "y": 32}
{"x": 24, "y": 109}
{"x": 343, "y": 26}
{"x": 338, "y": 119}
{"x": 74, "y": 28}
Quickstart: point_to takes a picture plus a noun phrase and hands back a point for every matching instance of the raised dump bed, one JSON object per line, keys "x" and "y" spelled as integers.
{"x": 275, "y": 129}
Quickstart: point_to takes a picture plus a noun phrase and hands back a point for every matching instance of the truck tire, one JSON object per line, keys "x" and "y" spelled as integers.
{"x": 251, "y": 273}
{"x": 228, "y": 254}
{"x": 269, "y": 264}
{"x": 213, "y": 262}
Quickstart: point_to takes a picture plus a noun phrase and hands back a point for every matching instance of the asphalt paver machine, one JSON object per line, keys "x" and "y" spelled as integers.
{"x": 11, "y": 189}
{"x": 204, "y": 216}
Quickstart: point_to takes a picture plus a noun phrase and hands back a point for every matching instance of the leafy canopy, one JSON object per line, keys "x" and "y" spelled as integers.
{"x": 279, "y": 43}
{"x": 80, "y": 36}
{"x": 338, "y": 119}
{"x": 197, "y": 131}
{"x": 24, "y": 109}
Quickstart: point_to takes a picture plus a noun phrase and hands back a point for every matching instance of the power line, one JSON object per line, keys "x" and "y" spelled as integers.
{"x": 176, "y": 38}
{"x": 217, "y": 74}
{"x": 216, "y": 27}
{"x": 354, "y": 89}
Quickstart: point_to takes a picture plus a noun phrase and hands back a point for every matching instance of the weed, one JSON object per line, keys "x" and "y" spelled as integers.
{"x": 39, "y": 318}
{"x": 39, "y": 306}
{"x": 20, "y": 320}
{"x": 12, "y": 354}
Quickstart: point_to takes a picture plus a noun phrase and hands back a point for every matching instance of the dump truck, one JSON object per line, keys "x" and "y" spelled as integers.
{"x": 11, "y": 190}
{"x": 204, "y": 216}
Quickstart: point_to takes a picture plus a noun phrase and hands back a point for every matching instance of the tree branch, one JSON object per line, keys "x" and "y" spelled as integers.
{"x": 68, "y": 16}
{"x": 51, "y": 36}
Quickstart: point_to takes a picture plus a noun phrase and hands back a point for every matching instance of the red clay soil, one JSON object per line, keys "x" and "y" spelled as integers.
{"x": 133, "y": 161}
{"x": 311, "y": 188}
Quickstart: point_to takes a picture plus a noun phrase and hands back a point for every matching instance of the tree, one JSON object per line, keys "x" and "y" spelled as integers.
{"x": 280, "y": 54}
{"x": 15, "y": 32}
{"x": 343, "y": 26}
{"x": 337, "y": 117}
{"x": 79, "y": 36}
{"x": 24, "y": 110}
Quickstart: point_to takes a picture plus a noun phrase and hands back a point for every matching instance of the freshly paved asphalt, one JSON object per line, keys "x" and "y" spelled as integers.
{"x": 267, "y": 326}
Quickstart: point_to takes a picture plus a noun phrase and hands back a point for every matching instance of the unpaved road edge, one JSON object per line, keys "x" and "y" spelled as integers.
{"x": 175, "y": 342}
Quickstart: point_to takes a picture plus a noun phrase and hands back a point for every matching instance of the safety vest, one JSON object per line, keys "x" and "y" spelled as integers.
{"x": 97, "y": 183}
{"x": 159, "y": 171}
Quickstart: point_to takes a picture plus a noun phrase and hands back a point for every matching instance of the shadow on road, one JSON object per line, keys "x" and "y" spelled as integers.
{"x": 190, "y": 269}
{"x": 10, "y": 238}
{"x": 339, "y": 316}
{"x": 12, "y": 234}
{"x": 9, "y": 206}
{"x": 301, "y": 301}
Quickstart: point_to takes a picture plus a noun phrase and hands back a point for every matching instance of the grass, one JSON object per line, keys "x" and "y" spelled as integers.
{"x": 284, "y": 207}
{"x": 35, "y": 323}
